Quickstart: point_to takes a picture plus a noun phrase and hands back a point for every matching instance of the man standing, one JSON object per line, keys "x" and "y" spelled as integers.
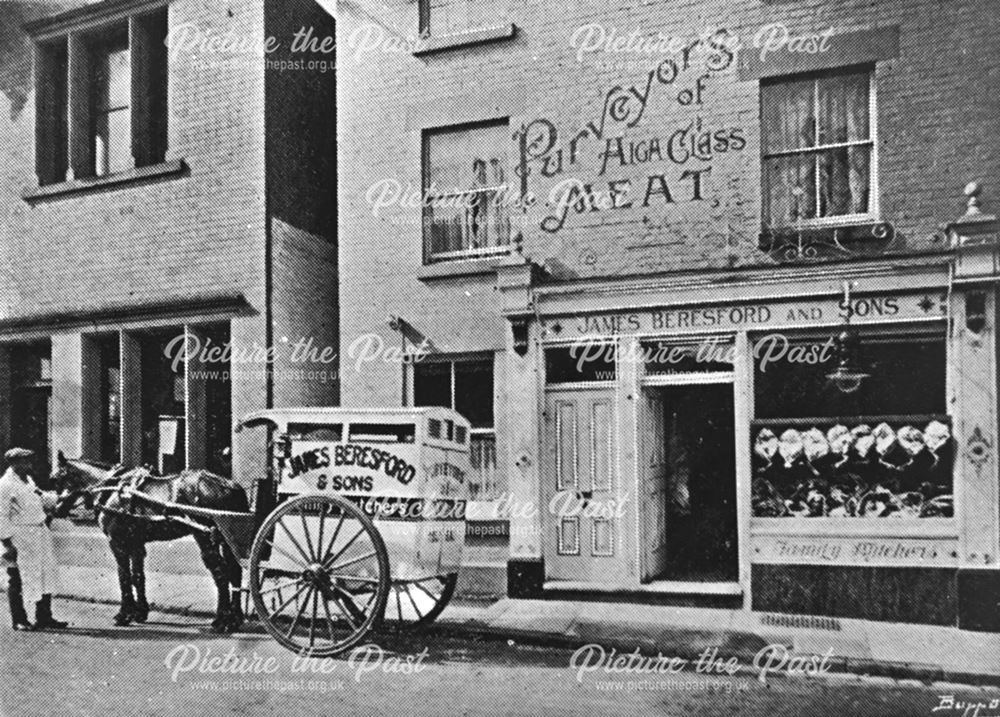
{"x": 28, "y": 550}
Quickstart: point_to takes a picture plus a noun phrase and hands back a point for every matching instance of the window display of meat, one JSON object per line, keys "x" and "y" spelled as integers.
{"x": 892, "y": 470}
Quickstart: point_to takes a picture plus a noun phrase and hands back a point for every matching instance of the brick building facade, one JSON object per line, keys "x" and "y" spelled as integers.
{"x": 696, "y": 274}
{"x": 145, "y": 206}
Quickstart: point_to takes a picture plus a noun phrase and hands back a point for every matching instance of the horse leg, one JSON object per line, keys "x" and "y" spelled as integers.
{"x": 211, "y": 556}
{"x": 141, "y": 610}
{"x": 124, "y": 616}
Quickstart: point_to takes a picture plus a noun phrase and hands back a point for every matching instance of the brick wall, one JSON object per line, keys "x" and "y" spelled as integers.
{"x": 201, "y": 233}
{"x": 304, "y": 318}
{"x": 302, "y": 203}
{"x": 936, "y": 131}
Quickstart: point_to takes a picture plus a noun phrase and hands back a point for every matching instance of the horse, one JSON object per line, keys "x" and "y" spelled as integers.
{"x": 130, "y": 523}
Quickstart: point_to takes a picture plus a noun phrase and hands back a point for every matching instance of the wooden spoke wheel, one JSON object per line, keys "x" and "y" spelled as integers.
{"x": 319, "y": 575}
{"x": 416, "y": 603}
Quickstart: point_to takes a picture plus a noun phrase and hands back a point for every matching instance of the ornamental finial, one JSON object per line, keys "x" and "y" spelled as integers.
{"x": 972, "y": 191}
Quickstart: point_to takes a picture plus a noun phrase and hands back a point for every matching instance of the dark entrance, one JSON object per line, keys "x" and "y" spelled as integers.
{"x": 700, "y": 463}
{"x": 31, "y": 404}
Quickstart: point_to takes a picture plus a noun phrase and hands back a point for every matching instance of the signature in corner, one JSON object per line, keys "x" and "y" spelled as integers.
{"x": 965, "y": 708}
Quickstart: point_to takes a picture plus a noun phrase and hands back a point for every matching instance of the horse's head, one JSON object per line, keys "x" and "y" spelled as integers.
{"x": 76, "y": 475}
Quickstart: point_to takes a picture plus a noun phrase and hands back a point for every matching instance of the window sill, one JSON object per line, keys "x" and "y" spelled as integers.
{"x": 94, "y": 184}
{"x": 823, "y": 223}
{"x": 460, "y": 267}
{"x": 468, "y": 38}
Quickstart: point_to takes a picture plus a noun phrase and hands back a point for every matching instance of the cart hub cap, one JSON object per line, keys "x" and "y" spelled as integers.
{"x": 316, "y": 575}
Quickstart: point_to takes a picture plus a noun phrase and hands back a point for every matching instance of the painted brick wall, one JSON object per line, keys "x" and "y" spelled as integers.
{"x": 198, "y": 234}
{"x": 301, "y": 178}
{"x": 936, "y": 131}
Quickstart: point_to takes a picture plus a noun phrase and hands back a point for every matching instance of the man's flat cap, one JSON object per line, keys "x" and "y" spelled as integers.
{"x": 18, "y": 453}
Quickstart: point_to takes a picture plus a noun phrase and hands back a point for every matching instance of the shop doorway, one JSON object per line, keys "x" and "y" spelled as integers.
{"x": 689, "y": 452}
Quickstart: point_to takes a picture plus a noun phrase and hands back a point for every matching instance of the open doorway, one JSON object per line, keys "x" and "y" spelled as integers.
{"x": 697, "y": 483}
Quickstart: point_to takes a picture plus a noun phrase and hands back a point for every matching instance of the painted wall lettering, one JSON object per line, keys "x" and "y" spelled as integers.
{"x": 597, "y": 157}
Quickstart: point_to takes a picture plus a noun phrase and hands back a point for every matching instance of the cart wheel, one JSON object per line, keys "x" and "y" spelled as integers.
{"x": 416, "y": 603}
{"x": 319, "y": 575}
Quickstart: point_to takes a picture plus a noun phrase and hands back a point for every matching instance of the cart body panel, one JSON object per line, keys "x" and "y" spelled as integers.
{"x": 407, "y": 468}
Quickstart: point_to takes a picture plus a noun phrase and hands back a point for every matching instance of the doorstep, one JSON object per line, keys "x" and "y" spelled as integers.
{"x": 661, "y": 587}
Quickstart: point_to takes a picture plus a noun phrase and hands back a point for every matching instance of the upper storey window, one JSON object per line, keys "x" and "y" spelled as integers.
{"x": 112, "y": 112}
{"x": 101, "y": 98}
{"x": 818, "y": 142}
{"x": 465, "y": 189}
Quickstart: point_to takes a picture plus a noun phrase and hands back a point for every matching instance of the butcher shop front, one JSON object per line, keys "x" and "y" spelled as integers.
{"x": 792, "y": 441}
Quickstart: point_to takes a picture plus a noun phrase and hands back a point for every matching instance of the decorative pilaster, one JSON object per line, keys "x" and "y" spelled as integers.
{"x": 522, "y": 396}
{"x": 516, "y": 275}
{"x": 973, "y": 352}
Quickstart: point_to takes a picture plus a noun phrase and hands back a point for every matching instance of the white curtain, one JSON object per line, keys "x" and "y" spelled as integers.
{"x": 802, "y": 182}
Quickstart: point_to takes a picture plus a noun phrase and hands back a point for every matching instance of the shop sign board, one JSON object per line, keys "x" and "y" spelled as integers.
{"x": 753, "y": 316}
{"x": 851, "y": 550}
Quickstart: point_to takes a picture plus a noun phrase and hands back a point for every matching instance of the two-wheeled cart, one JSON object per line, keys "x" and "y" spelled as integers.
{"x": 368, "y": 526}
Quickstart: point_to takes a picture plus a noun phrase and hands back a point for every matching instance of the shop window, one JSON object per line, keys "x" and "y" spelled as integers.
{"x": 163, "y": 409}
{"x": 792, "y": 376}
{"x": 31, "y": 402}
{"x": 447, "y": 17}
{"x": 581, "y": 362}
{"x": 879, "y": 445}
{"x": 818, "y": 149}
{"x": 466, "y": 385}
{"x": 465, "y": 189}
{"x": 118, "y": 119}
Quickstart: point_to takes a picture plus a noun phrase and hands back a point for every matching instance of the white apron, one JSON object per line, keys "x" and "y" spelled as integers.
{"x": 36, "y": 561}
{"x": 22, "y": 518}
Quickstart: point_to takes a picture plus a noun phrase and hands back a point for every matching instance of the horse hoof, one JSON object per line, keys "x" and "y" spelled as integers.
{"x": 122, "y": 621}
{"x": 141, "y": 616}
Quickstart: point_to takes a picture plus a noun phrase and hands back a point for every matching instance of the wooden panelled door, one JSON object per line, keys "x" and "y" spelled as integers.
{"x": 585, "y": 507}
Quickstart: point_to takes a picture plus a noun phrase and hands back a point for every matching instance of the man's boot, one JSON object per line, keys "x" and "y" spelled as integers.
{"x": 43, "y": 615}
{"x": 18, "y": 615}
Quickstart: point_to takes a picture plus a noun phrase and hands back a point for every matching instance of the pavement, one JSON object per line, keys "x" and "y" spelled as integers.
{"x": 894, "y": 650}
{"x": 173, "y": 666}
